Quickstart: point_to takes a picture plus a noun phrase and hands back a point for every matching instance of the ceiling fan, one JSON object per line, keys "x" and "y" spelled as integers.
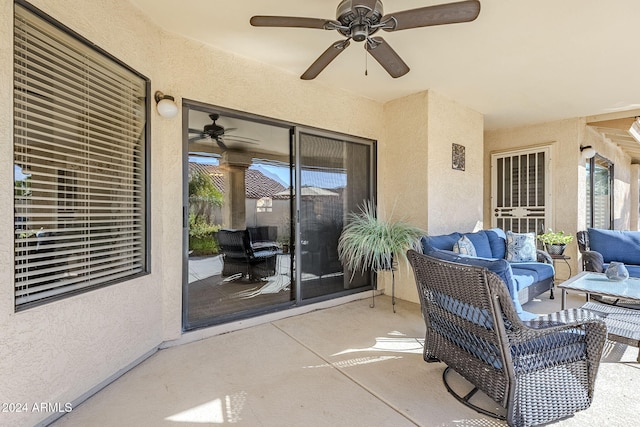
{"x": 218, "y": 133}
{"x": 358, "y": 20}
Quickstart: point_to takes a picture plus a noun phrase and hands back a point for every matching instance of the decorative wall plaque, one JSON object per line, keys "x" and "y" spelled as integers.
{"x": 457, "y": 157}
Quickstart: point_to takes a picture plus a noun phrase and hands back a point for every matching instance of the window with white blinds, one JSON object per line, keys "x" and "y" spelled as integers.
{"x": 80, "y": 130}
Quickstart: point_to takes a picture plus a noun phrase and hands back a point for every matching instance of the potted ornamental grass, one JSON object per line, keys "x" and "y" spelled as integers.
{"x": 555, "y": 242}
{"x": 368, "y": 242}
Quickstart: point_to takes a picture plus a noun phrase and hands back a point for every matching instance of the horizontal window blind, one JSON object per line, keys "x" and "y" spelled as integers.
{"x": 79, "y": 155}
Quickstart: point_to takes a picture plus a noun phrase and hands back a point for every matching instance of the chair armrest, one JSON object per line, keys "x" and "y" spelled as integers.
{"x": 592, "y": 261}
{"x": 565, "y": 319}
{"x": 543, "y": 256}
{"x": 264, "y": 246}
{"x": 546, "y": 337}
{"x": 574, "y": 318}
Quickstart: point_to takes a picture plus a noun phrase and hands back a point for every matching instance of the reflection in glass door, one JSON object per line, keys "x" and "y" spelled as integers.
{"x": 599, "y": 192}
{"x": 335, "y": 178}
{"x": 239, "y": 215}
{"x": 258, "y": 239}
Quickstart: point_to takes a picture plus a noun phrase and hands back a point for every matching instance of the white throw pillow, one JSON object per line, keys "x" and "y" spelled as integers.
{"x": 464, "y": 246}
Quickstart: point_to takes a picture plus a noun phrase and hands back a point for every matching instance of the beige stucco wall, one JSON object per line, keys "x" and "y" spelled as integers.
{"x": 418, "y": 183}
{"x": 59, "y": 351}
{"x": 568, "y": 176}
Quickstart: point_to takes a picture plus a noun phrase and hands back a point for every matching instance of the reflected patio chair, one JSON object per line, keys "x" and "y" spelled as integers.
{"x": 239, "y": 256}
{"x": 538, "y": 371}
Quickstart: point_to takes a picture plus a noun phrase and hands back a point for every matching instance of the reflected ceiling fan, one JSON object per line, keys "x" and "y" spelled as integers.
{"x": 358, "y": 20}
{"x": 218, "y": 133}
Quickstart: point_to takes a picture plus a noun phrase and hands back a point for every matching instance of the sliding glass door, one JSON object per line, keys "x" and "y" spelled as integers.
{"x": 238, "y": 260}
{"x": 599, "y": 192}
{"x": 335, "y": 178}
{"x": 265, "y": 203}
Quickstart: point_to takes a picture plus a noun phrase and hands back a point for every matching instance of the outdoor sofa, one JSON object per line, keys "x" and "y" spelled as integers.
{"x": 526, "y": 271}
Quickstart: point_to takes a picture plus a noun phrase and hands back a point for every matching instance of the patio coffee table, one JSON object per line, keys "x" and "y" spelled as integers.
{"x": 623, "y": 324}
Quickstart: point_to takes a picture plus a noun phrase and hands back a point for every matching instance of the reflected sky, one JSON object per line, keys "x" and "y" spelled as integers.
{"x": 316, "y": 178}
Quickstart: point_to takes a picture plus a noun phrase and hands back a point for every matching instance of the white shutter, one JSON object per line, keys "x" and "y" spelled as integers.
{"x": 79, "y": 154}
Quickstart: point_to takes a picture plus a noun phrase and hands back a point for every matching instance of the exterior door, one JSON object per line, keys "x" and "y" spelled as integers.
{"x": 520, "y": 190}
{"x": 335, "y": 175}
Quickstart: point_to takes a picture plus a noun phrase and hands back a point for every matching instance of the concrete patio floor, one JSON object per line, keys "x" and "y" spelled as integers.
{"x": 349, "y": 365}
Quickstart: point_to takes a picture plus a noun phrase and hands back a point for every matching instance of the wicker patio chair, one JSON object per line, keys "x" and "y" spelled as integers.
{"x": 538, "y": 371}
{"x": 594, "y": 261}
{"x": 591, "y": 260}
{"x": 241, "y": 257}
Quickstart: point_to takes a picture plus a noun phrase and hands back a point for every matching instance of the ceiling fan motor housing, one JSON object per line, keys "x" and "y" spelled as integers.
{"x": 358, "y": 26}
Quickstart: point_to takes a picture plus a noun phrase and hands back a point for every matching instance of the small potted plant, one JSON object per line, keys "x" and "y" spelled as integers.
{"x": 555, "y": 241}
{"x": 368, "y": 242}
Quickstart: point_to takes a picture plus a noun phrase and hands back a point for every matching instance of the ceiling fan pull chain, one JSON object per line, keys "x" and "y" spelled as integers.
{"x": 366, "y": 61}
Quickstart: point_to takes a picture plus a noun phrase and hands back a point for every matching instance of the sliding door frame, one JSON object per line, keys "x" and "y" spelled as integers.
{"x": 298, "y": 130}
{"x": 294, "y": 140}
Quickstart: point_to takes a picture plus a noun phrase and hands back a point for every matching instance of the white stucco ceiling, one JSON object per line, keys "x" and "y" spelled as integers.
{"x": 520, "y": 62}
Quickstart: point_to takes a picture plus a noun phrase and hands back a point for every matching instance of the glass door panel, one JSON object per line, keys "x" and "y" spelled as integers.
{"x": 599, "y": 193}
{"x": 335, "y": 177}
{"x": 239, "y": 216}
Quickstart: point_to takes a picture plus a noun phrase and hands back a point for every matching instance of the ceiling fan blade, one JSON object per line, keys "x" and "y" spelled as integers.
{"x": 198, "y": 131}
{"x": 325, "y": 59}
{"x": 241, "y": 140}
{"x": 449, "y": 13}
{"x": 221, "y": 144}
{"x": 195, "y": 138}
{"x": 387, "y": 57}
{"x": 292, "y": 21}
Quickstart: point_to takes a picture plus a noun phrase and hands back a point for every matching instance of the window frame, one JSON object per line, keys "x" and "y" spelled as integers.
{"x": 62, "y": 185}
{"x": 590, "y": 186}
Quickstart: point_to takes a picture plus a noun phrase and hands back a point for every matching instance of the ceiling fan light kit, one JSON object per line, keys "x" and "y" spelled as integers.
{"x": 359, "y": 20}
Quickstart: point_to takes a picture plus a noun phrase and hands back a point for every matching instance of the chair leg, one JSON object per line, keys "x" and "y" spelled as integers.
{"x": 465, "y": 399}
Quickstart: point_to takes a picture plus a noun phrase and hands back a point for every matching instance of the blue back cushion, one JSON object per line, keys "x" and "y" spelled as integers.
{"x": 488, "y": 243}
{"x": 497, "y": 241}
{"x": 615, "y": 245}
{"x": 498, "y": 266}
{"x": 481, "y": 243}
{"x": 445, "y": 242}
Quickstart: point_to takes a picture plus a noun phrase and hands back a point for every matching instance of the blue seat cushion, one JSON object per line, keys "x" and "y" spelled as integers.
{"x": 616, "y": 245}
{"x": 538, "y": 271}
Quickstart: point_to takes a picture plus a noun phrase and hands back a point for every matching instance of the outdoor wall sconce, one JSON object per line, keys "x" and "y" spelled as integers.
{"x": 587, "y": 151}
{"x": 166, "y": 105}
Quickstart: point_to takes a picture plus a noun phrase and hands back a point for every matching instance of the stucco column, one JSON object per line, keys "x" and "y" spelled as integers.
{"x": 234, "y": 165}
